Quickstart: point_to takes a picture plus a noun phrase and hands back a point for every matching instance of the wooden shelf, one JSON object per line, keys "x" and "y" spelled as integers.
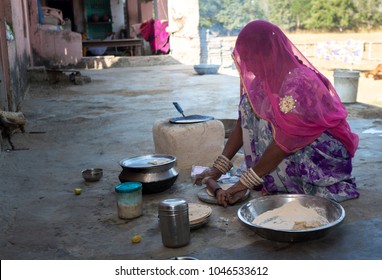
{"x": 134, "y": 45}
{"x": 98, "y": 29}
{"x": 100, "y": 22}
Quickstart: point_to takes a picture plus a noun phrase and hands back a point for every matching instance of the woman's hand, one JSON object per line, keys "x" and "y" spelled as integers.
{"x": 214, "y": 188}
{"x": 226, "y": 197}
{"x": 202, "y": 178}
{"x": 234, "y": 143}
{"x": 235, "y": 193}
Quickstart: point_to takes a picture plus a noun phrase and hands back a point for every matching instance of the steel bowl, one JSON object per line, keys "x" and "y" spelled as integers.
{"x": 206, "y": 69}
{"x": 334, "y": 213}
{"x": 184, "y": 258}
{"x": 92, "y": 174}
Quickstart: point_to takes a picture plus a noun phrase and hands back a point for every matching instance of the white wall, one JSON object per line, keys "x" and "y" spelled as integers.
{"x": 118, "y": 15}
{"x": 184, "y": 30}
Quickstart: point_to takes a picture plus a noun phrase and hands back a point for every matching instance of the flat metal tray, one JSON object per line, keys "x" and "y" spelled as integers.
{"x": 191, "y": 119}
{"x": 147, "y": 161}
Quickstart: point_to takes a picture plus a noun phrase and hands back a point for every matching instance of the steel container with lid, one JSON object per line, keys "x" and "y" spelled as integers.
{"x": 156, "y": 172}
{"x": 174, "y": 222}
{"x": 129, "y": 200}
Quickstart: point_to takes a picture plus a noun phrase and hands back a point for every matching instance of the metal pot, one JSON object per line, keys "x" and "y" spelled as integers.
{"x": 156, "y": 172}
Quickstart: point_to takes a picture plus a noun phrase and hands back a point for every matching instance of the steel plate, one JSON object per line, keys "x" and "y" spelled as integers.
{"x": 191, "y": 119}
{"x": 199, "y": 224}
{"x": 147, "y": 161}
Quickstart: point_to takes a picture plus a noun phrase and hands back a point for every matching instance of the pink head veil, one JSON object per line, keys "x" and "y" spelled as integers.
{"x": 287, "y": 90}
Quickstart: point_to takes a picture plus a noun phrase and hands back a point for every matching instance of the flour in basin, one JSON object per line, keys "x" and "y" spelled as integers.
{"x": 291, "y": 216}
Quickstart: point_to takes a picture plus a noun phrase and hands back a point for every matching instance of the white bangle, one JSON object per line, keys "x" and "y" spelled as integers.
{"x": 255, "y": 177}
{"x": 250, "y": 179}
{"x": 222, "y": 169}
{"x": 245, "y": 182}
{"x": 223, "y": 164}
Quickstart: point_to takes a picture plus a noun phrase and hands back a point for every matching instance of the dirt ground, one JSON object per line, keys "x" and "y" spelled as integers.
{"x": 72, "y": 127}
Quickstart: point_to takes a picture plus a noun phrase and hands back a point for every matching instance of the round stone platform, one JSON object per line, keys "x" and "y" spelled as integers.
{"x": 191, "y": 143}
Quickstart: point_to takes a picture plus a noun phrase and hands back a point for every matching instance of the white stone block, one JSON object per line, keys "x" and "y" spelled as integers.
{"x": 191, "y": 144}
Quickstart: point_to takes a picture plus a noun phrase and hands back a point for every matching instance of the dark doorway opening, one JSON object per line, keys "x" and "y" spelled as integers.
{"x": 66, "y": 6}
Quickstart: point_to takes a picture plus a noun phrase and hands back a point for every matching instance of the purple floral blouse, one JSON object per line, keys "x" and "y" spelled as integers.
{"x": 322, "y": 168}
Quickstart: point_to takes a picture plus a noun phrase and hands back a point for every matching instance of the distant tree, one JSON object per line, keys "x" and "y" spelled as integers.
{"x": 208, "y": 9}
{"x": 280, "y": 13}
{"x": 289, "y": 14}
{"x": 332, "y": 15}
{"x": 370, "y": 13}
{"x": 320, "y": 15}
{"x": 300, "y": 11}
{"x": 237, "y": 13}
{"x": 231, "y": 14}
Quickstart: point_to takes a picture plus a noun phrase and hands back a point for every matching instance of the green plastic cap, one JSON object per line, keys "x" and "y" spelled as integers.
{"x": 128, "y": 187}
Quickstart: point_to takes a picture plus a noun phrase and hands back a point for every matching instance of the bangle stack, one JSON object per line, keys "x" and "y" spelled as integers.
{"x": 250, "y": 179}
{"x": 223, "y": 164}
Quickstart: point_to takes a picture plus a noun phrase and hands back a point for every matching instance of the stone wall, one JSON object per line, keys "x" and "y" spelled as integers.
{"x": 183, "y": 18}
{"x": 216, "y": 50}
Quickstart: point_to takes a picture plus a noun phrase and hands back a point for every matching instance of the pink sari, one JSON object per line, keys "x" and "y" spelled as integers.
{"x": 154, "y": 31}
{"x": 299, "y": 110}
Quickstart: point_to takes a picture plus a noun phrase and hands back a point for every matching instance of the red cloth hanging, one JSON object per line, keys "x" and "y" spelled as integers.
{"x": 154, "y": 32}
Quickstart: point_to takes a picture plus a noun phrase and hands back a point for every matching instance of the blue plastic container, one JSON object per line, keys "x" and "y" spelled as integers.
{"x": 129, "y": 200}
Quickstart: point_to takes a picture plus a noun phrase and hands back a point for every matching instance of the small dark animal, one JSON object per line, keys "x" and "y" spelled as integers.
{"x": 8, "y": 128}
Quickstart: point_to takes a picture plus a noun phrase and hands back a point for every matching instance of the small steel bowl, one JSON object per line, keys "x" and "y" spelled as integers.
{"x": 334, "y": 213}
{"x": 92, "y": 174}
{"x": 183, "y": 258}
{"x": 206, "y": 69}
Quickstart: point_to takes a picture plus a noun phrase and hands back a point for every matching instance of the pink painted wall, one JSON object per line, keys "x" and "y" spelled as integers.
{"x": 133, "y": 13}
{"x": 147, "y": 11}
{"x": 56, "y": 49}
{"x": 20, "y": 22}
{"x": 162, "y": 8}
{"x": 18, "y": 51}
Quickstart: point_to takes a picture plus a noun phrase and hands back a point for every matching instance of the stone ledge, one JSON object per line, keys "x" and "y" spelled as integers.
{"x": 103, "y": 62}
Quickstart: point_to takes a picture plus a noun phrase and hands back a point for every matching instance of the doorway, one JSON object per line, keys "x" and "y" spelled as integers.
{"x": 66, "y": 7}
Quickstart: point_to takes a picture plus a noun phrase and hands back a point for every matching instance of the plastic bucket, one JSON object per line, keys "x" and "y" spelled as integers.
{"x": 346, "y": 85}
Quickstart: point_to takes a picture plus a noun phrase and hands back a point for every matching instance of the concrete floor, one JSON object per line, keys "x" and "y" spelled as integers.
{"x": 98, "y": 124}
